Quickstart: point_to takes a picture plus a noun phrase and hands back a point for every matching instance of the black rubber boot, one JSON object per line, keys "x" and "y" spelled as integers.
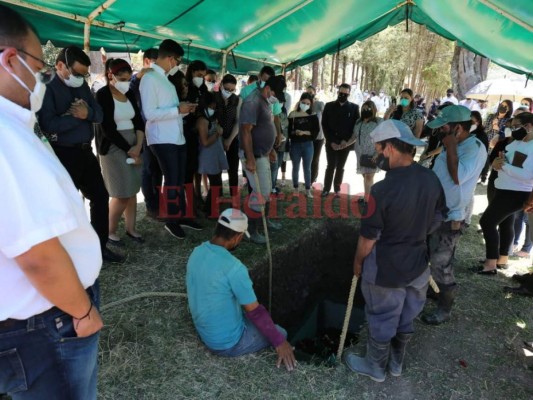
{"x": 374, "y": 363}
{"x": 397, "y": 352}
{"x": 443, "y": 312}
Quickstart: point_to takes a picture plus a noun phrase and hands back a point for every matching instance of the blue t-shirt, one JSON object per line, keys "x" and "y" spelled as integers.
{"x": 218, "y": 284}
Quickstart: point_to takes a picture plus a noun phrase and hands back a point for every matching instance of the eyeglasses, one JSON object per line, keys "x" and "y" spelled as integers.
{"x": 46, "y": 73}
{"x": 72, "y": 72}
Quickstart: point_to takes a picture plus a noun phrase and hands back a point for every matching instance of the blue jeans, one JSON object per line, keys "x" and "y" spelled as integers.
{"x": 274, "y": 167}
{"x": 521, "y": 219}
{"x": 251, "y": 341}
{"x": 392, "y": 310}
{"x": 302, "y": 151}
{"x": 172, "y": 159}
{"x": 41, "y": 358}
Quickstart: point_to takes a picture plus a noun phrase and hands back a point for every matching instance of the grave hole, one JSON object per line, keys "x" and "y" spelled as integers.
{"x": 311, "y": 282}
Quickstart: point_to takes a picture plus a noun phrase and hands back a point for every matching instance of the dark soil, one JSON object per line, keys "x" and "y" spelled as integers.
{"x": 315, "y": 266}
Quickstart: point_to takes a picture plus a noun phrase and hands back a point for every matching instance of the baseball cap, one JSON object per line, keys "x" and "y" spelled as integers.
{"x": 393, "y": 128}
{"x": 450, "y": 114}
{"x": 235, "y": 220}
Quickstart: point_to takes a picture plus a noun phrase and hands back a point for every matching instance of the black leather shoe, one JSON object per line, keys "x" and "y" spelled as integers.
{"x": 112, "y": 257}
{"x": 489, "y": 272}
{"x": 137, "y": 239}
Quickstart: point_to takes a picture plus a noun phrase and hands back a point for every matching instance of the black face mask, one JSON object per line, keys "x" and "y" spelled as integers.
{"x": 342, "y": 97}
{"x": 383, "y": 162}
{"x": 366, "y": 114}
{"x": 502, "y": 109}
{"x": 519, "y": 134}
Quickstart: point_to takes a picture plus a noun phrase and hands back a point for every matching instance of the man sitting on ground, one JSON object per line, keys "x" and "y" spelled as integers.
{"x": 218, "y": 285}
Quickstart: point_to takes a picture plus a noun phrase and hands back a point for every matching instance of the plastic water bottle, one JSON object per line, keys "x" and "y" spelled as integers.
{"x": 130, "y": 160}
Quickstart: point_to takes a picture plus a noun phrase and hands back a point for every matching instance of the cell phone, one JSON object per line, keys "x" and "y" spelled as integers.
{"x": 393, "y": 101}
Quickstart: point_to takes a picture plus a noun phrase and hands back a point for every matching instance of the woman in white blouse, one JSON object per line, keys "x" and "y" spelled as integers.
{"x": 119, "y": 143}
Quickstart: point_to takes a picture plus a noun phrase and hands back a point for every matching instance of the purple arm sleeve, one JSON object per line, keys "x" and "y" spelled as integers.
{"x": 264, "y": 324}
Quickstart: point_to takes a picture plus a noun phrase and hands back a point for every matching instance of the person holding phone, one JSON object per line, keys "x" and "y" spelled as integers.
{"x": 512, "y": 189}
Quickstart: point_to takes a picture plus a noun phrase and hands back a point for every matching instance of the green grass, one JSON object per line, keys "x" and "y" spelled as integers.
{"x": 149, "y": 348}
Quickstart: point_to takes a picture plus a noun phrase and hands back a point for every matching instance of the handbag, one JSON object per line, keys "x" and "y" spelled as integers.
{"x": 367, "y": 160}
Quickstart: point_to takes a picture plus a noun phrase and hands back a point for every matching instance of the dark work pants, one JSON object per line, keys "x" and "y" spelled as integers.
{"x": 500, "y": 214}
{"x": 152, "y": 179}
{"x": 232, "y": 155}
{"x": 317, "y": 147}
{"x": 84, "y": 169}
{"x": 172, "y": 159}
{"x": 336, "y": 161}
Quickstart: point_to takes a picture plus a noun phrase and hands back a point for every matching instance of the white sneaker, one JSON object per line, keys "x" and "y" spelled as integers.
{"x": 309, "y": 193}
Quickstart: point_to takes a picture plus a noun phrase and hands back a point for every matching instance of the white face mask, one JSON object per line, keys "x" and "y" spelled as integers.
{"x": 74, "y": 81}
{"x": 381, "y": 94}
{"x": 197, "y": 81}
{"x": 226, "y": 94}
{"x": 261, "y": 84}
{"x": 210, "y": 86}
{"x": 272, "y": 99}
{"x": 173, "y": 71}
{"x": 37, "y": 95}
{"x": 304, "y": 107}
{"x": 473, "y": 127}
{"x": 508, "y": 132}
{"x": 122, "y": 87}
{"x": 209, "y": 112}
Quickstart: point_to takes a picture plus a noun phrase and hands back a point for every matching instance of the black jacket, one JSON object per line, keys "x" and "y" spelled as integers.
{"x": 108, "y": 133}
{"x": 338, "y": 121}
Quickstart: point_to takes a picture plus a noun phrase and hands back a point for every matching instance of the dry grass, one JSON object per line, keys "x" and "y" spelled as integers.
{"x": 149, "y": 348}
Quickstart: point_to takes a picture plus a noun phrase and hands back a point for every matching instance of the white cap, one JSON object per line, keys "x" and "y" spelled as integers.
{"x": 235, "y": 220}
{"x": 392, "y": 128}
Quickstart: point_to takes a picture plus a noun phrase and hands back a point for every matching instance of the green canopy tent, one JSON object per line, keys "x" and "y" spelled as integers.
{"x": 241, "y": 36}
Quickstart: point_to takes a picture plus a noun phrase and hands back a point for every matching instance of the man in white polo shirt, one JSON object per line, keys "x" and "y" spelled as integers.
{"x": 164, "y": 135}
{"x": 49, "y": 253}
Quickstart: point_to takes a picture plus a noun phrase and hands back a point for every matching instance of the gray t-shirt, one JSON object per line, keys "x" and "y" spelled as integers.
{"x": 257, "y": 112}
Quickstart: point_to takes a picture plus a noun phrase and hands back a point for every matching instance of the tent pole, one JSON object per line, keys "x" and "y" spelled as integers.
{"x": 90, "y": 18}
{"x": 516, "y": 20}
{"x": 224, "y": 63}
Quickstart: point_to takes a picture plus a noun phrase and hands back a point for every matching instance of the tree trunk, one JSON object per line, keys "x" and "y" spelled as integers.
{"x": 314, "y": 76}
{"x": 353, "y": 72}
{"x": 468, "y": 69}
{"x": 337, "y": 63}
{"x": 296, "y": 78}
{"x": 332, "y": 76}
{"x": 322, "y": 73}
{"x": 344, "y": 64}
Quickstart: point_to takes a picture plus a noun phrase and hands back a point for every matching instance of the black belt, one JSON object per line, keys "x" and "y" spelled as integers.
{"x": 258, "y": 156}
{"x": 11, "y": 323}
{"x": 83, "y": 146}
